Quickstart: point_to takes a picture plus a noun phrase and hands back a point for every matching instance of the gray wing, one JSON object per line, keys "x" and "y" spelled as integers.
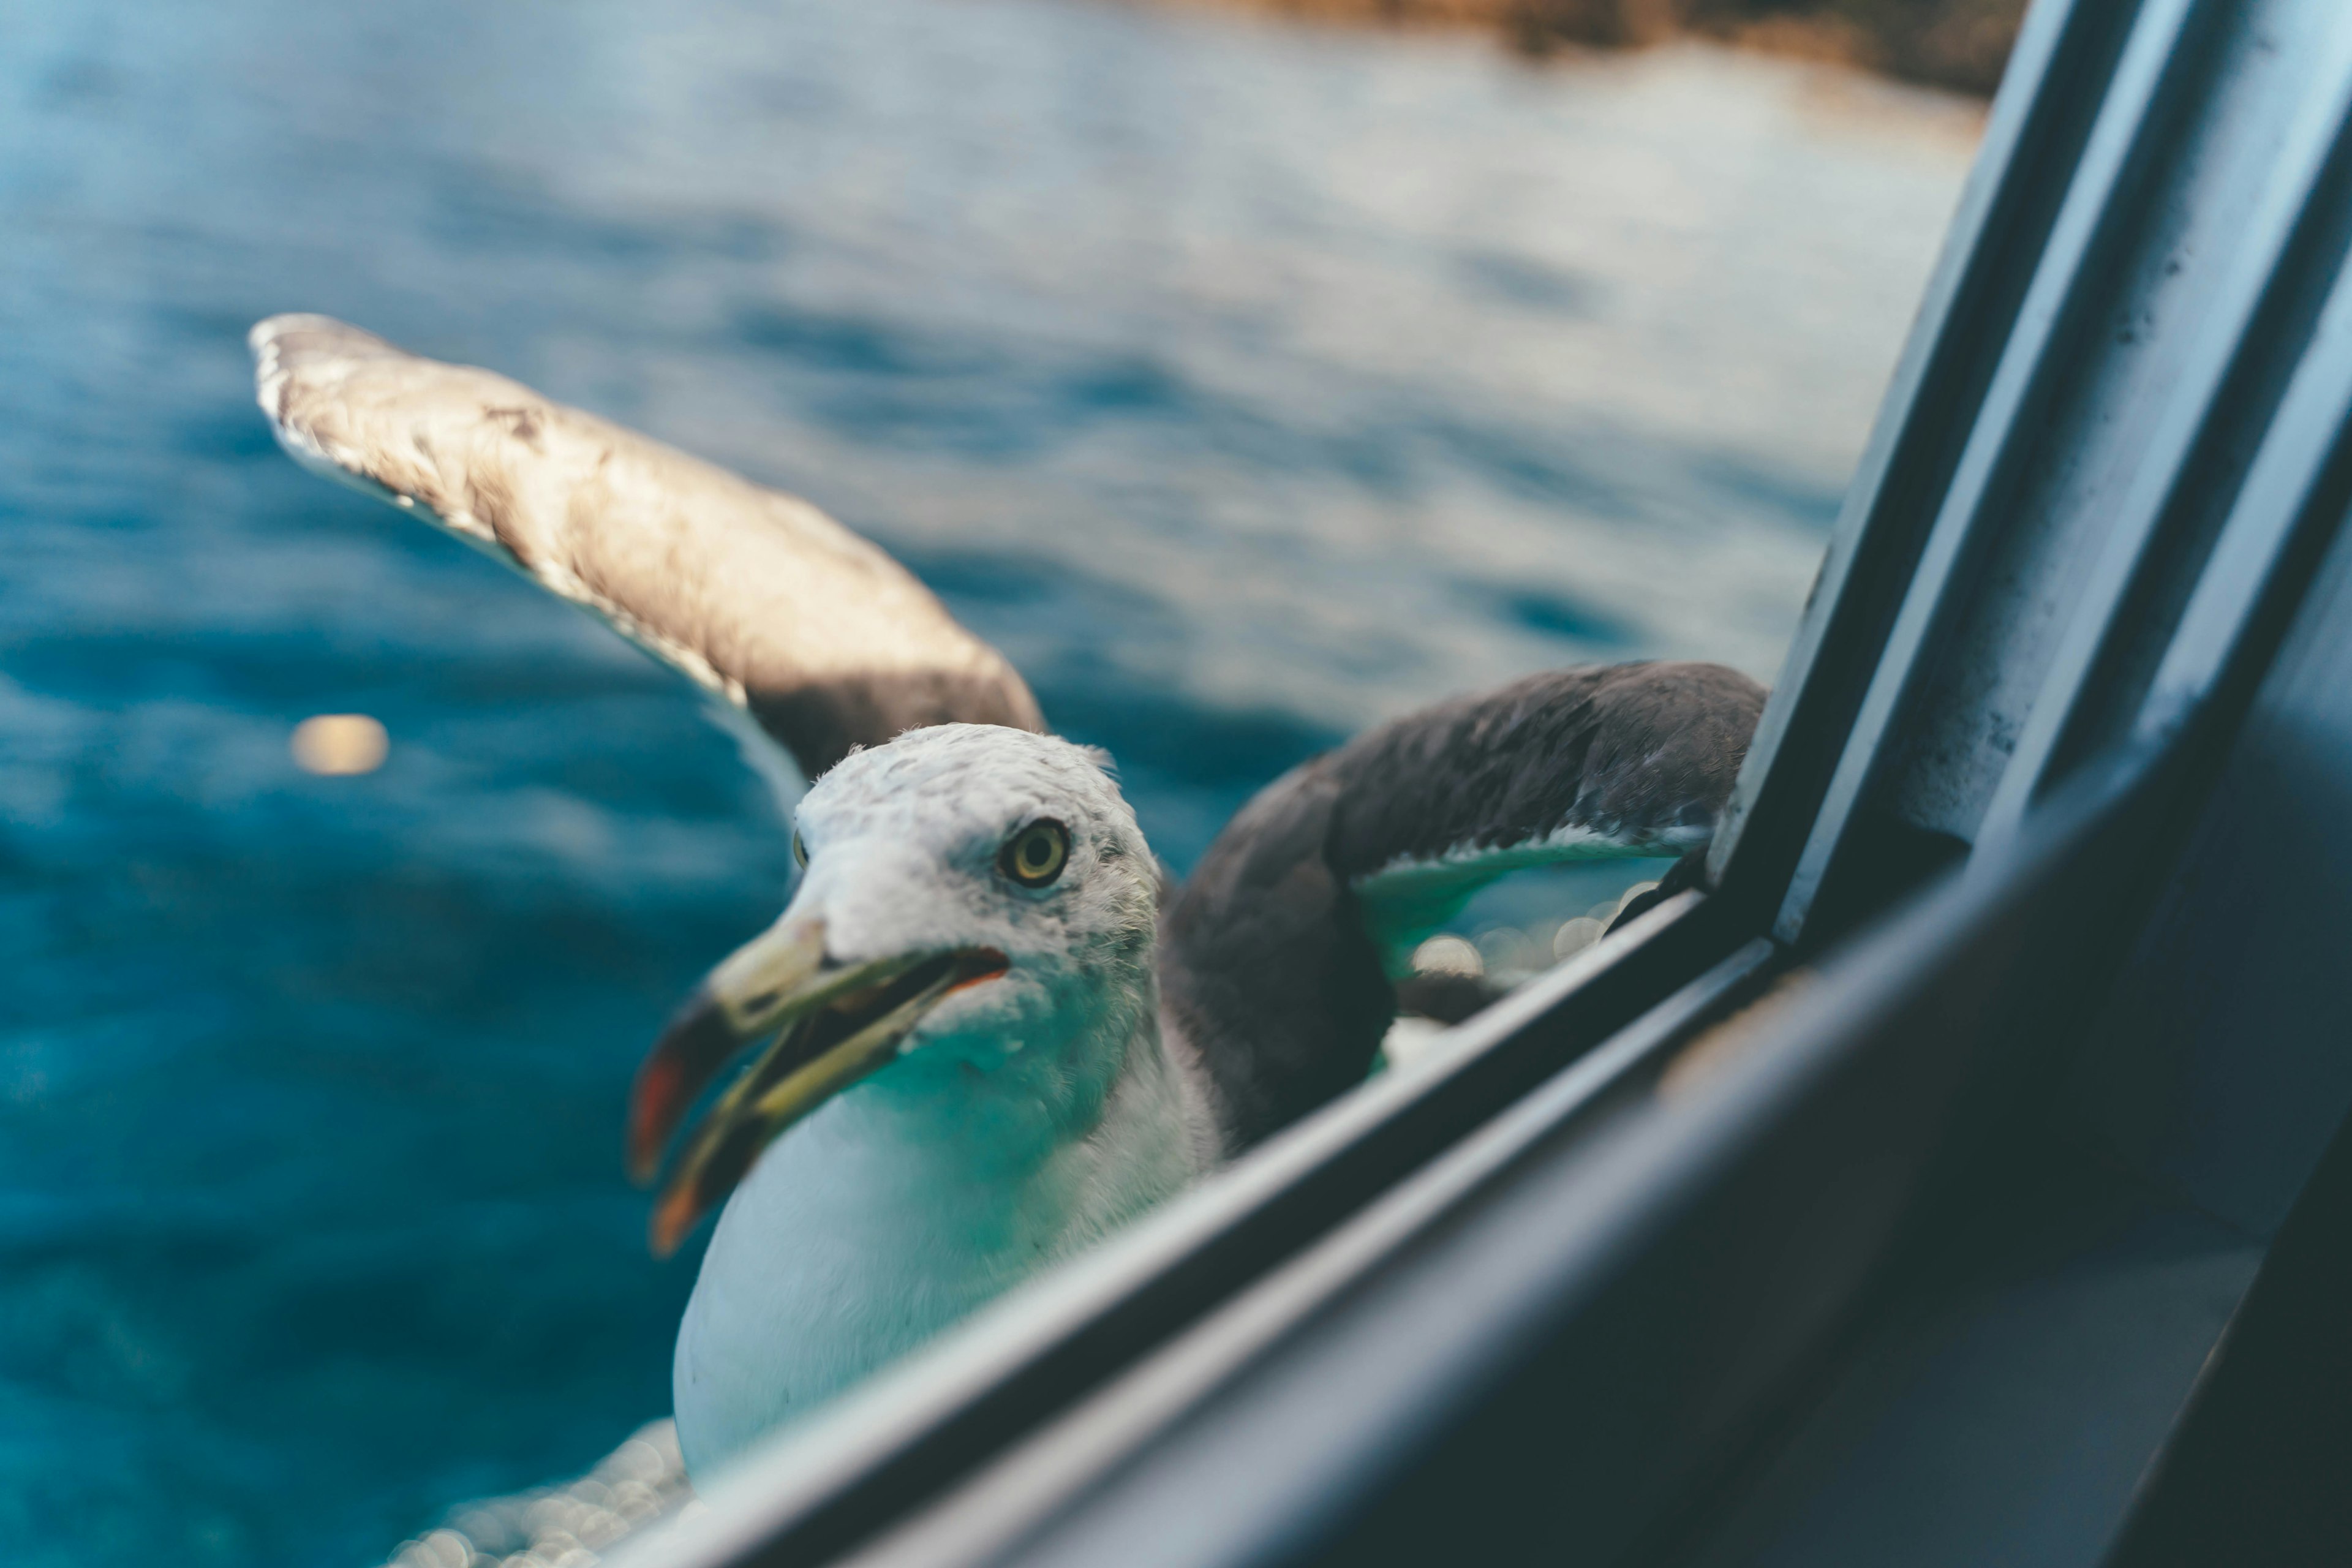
{"x": 1600, "y": 763}
{"x": 761, "y": 598}
{"x": 1278, "y": 952}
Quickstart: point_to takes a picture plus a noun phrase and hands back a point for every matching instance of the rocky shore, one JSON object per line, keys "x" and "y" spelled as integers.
{"x": 1956, "y": 44}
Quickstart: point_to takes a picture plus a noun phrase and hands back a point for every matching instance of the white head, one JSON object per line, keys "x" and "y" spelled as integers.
{"x": 974, "y": 900}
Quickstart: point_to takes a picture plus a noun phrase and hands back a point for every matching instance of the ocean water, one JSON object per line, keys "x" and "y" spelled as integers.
{"x": 1245, "y": 382}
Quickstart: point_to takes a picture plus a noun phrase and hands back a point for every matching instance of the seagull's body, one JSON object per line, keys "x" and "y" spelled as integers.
{"x": 899, "y": 1191}
{"x": 992, "y": 1032}
{"x": 1033, "y": 1115}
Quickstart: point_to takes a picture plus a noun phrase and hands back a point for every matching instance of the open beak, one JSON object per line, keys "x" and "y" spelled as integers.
{"x": 831, "y": 1022}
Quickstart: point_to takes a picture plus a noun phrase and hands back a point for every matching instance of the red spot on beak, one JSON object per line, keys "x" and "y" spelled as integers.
{"x": 992, "y": 964}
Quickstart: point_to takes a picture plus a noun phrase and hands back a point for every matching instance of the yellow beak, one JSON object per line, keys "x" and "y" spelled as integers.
{"x": 833, "y": 1024}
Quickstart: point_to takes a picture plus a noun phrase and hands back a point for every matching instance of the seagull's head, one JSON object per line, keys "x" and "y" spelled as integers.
{"x": 969, "y": 895}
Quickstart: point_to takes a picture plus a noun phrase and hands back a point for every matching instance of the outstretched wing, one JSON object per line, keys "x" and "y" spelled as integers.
{"x": 761, "y": 598}
{"x": 1277, "y": 953}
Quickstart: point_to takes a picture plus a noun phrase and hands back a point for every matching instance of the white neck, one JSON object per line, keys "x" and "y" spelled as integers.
{"x": 908, "y": 1202}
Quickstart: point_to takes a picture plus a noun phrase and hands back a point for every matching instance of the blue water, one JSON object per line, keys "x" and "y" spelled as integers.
{"x": 1245, "y": 382}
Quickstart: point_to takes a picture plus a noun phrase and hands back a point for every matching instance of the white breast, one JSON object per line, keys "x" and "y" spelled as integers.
{"x": 886, "y": 1217}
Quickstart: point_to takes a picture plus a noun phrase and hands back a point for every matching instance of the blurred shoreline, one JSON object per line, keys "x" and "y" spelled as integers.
{"x": 1959, "y": 45}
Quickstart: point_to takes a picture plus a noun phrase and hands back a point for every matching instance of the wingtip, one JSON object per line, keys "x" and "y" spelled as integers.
{"x": 306, "y": 335}
{"x": 302, "y": 344}
{"x": 265, "y": 331}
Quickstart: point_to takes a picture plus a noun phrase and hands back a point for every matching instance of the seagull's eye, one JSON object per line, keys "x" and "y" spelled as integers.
{"x": 799, "y": 849}
{"x": 1036, "y": 855}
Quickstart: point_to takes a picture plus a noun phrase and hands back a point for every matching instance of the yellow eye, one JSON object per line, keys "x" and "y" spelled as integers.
{"x": 1036, "y": 855}
{"x": 800, "y": 850}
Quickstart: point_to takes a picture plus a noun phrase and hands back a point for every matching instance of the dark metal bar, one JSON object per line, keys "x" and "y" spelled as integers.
{"x": 2012, "y": 404}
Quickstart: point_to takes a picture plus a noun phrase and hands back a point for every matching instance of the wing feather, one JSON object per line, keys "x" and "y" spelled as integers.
{"x": 1277, "y": 954}
{"x": 758, "y": 596}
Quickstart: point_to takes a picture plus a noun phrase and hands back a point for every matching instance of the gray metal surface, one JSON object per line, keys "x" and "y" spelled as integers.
{"x": 2223, "y": 1064}
{"x": 2005, "y": 1416}
{"x": 2133, "y": 386}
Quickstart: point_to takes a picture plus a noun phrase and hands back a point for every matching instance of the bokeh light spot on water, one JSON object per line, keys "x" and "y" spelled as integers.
{"x": 339, "y": 744}
{"x": 1448, "y": 954}
{"x": 1575, "y": 935}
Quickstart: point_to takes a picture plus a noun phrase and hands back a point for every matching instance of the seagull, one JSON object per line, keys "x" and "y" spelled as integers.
{"x": 987, "y": 1027}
